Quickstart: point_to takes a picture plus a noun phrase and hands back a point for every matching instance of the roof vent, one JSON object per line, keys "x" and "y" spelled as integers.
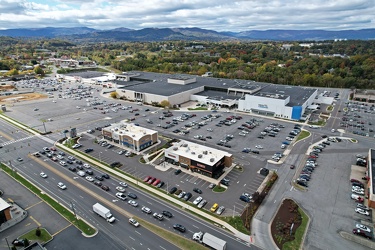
{"x": 205, "y": 152}
{"x": 200, "y": 156}
{"x": 212, "y": 160}
{"x": 175, "y": 148}
{"x": 192, "y": 152}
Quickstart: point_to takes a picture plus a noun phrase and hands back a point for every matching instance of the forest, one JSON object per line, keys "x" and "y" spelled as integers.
{"x": 338, "y": 64}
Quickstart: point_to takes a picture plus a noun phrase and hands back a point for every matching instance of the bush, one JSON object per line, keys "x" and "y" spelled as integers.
{"x": 38, "y": 232}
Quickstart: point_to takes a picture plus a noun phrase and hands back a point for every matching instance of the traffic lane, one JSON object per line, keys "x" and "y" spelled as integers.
{"x": 84, "y": 202}
{"x": 36, "y": 208}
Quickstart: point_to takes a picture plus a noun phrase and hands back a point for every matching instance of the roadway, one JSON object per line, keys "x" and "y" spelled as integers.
{"x": 84, "y": 194}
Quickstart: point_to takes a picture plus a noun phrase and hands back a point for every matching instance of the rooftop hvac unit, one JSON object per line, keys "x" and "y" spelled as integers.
{"x": 212, "y": 160}
{"x": 200, "y": 156}
{"x": 184, "y": 145}
{"x": 175, "y": 148}
{"x": 205, "y": 152}
{"x": 192, "y": 152}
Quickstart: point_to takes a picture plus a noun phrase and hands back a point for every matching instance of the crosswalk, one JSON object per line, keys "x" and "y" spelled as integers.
{"x": 18, "y": 140}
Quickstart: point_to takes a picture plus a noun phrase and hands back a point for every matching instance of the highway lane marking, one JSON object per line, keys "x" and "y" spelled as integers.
{"x": 131, "y": 238}
{"x": 195, "y": 226}
{"x": 6, "y": 136}
{"x": 137, "y": 232}
{"x": 162, "y": 248}
{"x": 35, "y": 221}
{"x": 34, "y": 205}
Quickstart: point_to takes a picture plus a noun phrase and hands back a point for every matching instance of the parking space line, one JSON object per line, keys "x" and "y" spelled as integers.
{"x": 53, "y": 235}
{"x": 34, "y": 205}
{"x": 36, "y": 222}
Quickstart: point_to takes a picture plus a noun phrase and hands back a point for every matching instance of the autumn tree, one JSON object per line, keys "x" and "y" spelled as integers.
{"x": 165, "y": 104}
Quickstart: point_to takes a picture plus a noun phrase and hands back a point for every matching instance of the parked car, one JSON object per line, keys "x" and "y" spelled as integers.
{"x": 361, "y": 211}
{"x": 172, "y": 190}
{"x": 214, "y": 207}
{"x": 363, "y": 227}
{"x": 362, "y": 233}
{"x": 220, "y": 210}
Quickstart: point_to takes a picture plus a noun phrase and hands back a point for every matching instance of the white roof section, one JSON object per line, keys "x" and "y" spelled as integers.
{"x": 197, "y": 152}
{"x": 129, "y": 129}
{"x": 3, "y": 204}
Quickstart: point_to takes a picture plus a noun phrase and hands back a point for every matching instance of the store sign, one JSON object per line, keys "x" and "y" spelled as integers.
{"x": 263, "y": 106}
{"x": 201, "y": 165}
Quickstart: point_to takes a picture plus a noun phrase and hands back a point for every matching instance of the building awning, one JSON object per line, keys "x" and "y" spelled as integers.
{"x": 3, "y": 205}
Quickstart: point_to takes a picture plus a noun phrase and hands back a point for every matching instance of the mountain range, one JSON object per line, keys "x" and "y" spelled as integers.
{"x": 85, "y": 34}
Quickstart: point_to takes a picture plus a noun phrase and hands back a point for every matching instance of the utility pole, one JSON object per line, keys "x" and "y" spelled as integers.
{"x": 6, "y": 239}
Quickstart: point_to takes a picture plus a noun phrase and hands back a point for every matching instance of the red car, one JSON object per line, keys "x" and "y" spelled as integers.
{"x": 151, "y": 180}
{"x": 156, "y": 182}
{"x": 147, "y": 178}
{"x": 52, "y": 148}
{"x": 362, "y": 233}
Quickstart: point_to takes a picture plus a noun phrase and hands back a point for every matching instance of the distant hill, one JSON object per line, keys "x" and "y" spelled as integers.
{"x": 84, "y": 34}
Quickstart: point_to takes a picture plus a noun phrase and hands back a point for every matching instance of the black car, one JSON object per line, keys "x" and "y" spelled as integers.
{"x": 197, "y": 190}
{"x": 79, "y": 167}
{"x": 187, "y": 196}
{"x": 115, "y": 164}
{"x": 168, "y": 214}
{"x": 69, "y": 161}
{"x": 133, "y": 196}
{"x": 79, "y": 162}
{"x": 160, "y": 184}
{"x": 105, "y": 176}
{"x": 98, "y": 183}
{"x": 73, "y": 169}
{"x": 255, "y": 151}
{"x": 98, "y": 177}
{"x": 302, "y": 183}
{"x": 178, "y": 171}
{"x": 88, "y": 150}
{"x": 224, "y": 182}
{"x": 244, "y": 198}
{"x": 179, "y": 227}
{"x": 172, "y": 190}
{"x": 89, "y": 172}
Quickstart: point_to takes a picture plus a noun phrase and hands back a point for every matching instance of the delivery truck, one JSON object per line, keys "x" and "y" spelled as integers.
{"x": 103, "y": 212}
{"x": 210, "y": 240}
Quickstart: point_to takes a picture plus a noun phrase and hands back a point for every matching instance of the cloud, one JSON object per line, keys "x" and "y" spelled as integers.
{"x": 219, "y": 15}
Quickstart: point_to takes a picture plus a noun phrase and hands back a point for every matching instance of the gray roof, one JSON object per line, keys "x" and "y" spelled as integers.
{"x": 298, "y": 95}
{"x": 87, "y": 74}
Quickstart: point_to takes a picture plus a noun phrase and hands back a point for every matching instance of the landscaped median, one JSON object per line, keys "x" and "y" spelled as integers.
{"x": 160, "y": 194}
{"x": 86, "y": 229}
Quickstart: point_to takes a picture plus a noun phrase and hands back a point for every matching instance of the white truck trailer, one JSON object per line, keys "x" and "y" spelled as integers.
{"x": 210, "y": 240}
{"x": 103, "y": 212}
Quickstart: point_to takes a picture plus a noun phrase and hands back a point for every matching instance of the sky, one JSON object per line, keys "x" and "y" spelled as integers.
{"x": 218, "y": 15}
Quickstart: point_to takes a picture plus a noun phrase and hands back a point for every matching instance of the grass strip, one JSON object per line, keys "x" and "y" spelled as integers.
{"x": 237, "y": 223}
{"x": 81, "y": 225}
{"x": 173, "y": 238}
{"x": 43, "y": 238}
{"x": 296, "y": 243}
{"x": 303, "y": 135}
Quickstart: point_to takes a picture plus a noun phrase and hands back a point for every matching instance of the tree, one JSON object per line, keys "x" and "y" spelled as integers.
{"x": 39, "y": 71}
{"x": 38, "y": 232}
{"x": 113, "y": 94}
{"x": 165, "y": 104}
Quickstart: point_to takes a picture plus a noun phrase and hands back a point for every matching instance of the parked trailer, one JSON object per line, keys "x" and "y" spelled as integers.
{"x": 103, "y": 212}
{"x": 210, "y": 240}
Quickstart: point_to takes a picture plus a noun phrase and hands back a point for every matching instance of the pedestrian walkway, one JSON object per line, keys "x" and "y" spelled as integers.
{"x": 18, "y": 140}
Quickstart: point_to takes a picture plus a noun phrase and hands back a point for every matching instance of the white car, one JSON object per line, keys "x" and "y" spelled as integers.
{"x": 62, "y": 163}
{"x": 61, "y": 185}
{"x": 133, "y": 203}
{"x": 363, "y": 227}
{"x": 120, "y": 189}
{"x": 43, "y": 175}
{"x": 358, "y": 191}
{"x": 78, "y": 107}
{"x": 220, "y": 210}
{"x": 146, "y": 210}
{"x": 121, "y": 196}
{"x": 259, "y": 147}
{"x": 361, "y": 211}
{"x": 197, "y": 200}
{"x": 89, "y": 178}
{"x": 202, "y": 203}
{"x": 123, "y": 184}
{"x": 359, "y": 205}
{"x": 133, "y": 222}
{"x": 60, "y": 157}
{"x": 86, "y": 165}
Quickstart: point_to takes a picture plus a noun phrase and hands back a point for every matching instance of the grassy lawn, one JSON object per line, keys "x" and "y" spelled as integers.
{"x": 296, "y": 243}
{"x": 219, "y": 189}
{"x": 303, "y": 135}
{"x": 81, "y": 225}
{"x": 237, "y": 223}
{"x": 330, "y": 108}
{"x": 175, "y": 239}
{"x": 44, "y": 236}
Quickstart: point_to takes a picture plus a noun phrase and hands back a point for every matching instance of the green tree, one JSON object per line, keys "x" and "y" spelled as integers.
{"x": 39, "y": 71}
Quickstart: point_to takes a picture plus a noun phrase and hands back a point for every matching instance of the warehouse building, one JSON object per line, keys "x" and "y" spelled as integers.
{"x": 198, "y": 158}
